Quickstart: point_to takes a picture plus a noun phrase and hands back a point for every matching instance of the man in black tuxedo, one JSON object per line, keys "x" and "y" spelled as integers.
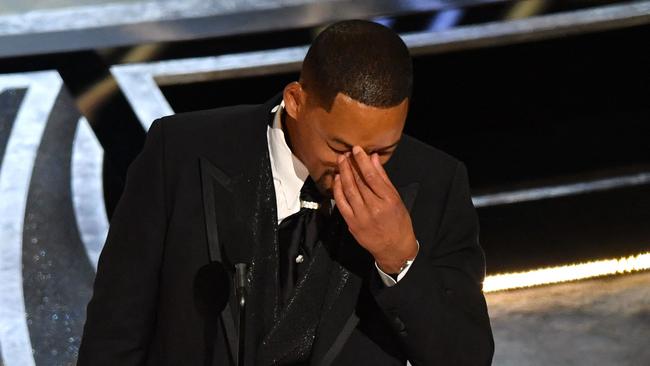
{"x": 361, "y": 242}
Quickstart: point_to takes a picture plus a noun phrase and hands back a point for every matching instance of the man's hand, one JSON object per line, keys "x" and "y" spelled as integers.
{"x": 373, "y": 210}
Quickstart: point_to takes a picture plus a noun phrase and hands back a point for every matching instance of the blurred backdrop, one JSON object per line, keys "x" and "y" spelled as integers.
{"x": 547, "y": 103}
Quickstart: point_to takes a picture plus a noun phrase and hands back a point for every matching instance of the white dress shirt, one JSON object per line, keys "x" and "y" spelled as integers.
{"x": 289, "y": 175}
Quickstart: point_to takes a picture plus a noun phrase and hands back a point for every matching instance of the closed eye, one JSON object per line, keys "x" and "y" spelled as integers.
{"x": 385, "y": 151}
{"x": 337, "y": 150}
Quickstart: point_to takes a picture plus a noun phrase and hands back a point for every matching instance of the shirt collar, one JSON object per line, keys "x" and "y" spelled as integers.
{"x": 287, "y": 168}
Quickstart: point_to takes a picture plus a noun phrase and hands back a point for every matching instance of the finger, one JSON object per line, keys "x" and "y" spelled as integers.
{"x": 342, "y": 203}
{"x": 349, "y": 186}
{"x": 369, "y": 196}
{"x": 381, "y": 171}
{"x": 369, "y": 172}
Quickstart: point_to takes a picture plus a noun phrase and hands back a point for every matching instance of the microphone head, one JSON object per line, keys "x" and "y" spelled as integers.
{"x": 211, "y": 289}
{"x": 240, "y": 275}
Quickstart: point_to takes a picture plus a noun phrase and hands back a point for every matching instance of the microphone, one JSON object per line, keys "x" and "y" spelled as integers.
{"x": 239, "y": 257}
{"x": 240, "y": 292}
{"x": 240, "y": 284}
{"x": 211, "y": 289}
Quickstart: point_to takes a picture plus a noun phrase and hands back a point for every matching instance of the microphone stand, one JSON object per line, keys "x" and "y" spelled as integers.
{"x": 240, "y": 293}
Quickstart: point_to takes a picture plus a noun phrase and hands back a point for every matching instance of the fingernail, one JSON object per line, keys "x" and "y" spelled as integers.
{"x": 340, "y": 158}
{"x": 356, "y": 150}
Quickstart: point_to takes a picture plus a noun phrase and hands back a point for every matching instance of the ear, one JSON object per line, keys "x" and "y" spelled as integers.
{"x": 294, "y": 99}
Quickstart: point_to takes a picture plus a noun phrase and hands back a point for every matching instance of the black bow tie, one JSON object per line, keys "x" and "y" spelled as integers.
{"x": 298, "y": 235}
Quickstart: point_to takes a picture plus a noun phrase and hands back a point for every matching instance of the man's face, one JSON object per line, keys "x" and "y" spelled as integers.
{"x": 318, "y": 137}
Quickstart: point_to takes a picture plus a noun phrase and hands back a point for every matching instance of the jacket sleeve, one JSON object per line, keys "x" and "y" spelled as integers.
{"x": 121, "y": 314}
{"x": 438, "y": 309}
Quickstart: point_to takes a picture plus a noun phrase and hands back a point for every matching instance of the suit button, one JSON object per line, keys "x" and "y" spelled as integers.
{"x": 449, "y": 291}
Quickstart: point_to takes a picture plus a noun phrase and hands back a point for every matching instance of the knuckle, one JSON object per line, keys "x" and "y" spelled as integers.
{"x": 358, "y": 179}
{"x": 369, "y": 175}
{"x": 393, "y": 201}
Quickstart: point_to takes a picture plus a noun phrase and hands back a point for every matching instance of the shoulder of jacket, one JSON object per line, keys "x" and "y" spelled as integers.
{"x": 206, "y": 118}
{"x": 428, "y": 156}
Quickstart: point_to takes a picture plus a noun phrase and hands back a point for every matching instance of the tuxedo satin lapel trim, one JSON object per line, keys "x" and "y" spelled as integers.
{"x": 340, "y": 340}
{"x": 408, "y": 194}
{"x": 211, "y": 176}
{"x": 239, "y": 209}
{"x": 339, "y": 320}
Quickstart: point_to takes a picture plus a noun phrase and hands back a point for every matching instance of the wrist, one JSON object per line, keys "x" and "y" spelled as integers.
{"x": 396, "y": 261}
{"x": 393, "y": 268}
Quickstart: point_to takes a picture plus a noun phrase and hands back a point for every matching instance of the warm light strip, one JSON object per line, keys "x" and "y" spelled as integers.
{"x": 566, "y": 273}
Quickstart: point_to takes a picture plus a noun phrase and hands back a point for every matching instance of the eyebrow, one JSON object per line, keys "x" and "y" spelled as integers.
{"x": 349, "y": 146}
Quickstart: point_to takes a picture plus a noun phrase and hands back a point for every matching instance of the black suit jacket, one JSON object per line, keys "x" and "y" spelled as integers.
{"x": 200, "y": 196}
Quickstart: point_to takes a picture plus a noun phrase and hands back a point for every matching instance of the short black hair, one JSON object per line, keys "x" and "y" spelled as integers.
{"x": 361, "y": 59}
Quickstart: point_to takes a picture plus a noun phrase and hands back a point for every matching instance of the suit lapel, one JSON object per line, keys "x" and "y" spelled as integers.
{"x": 241, "y": 223}
{"x": 216, "y": 192}
{"x": 408, "y": 193}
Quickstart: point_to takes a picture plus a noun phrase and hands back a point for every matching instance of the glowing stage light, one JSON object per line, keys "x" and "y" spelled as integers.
{"x": 566, "y": 273}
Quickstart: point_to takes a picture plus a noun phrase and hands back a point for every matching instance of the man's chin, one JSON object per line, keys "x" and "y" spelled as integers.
{"x": 326, "y": 191}
{"x": 324, "y": 185}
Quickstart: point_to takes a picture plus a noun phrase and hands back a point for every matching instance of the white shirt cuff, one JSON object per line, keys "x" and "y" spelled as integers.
{"x": 390, "y": 281}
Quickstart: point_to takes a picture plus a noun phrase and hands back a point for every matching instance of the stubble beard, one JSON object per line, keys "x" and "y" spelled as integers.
{"x": 325, "y": 181}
